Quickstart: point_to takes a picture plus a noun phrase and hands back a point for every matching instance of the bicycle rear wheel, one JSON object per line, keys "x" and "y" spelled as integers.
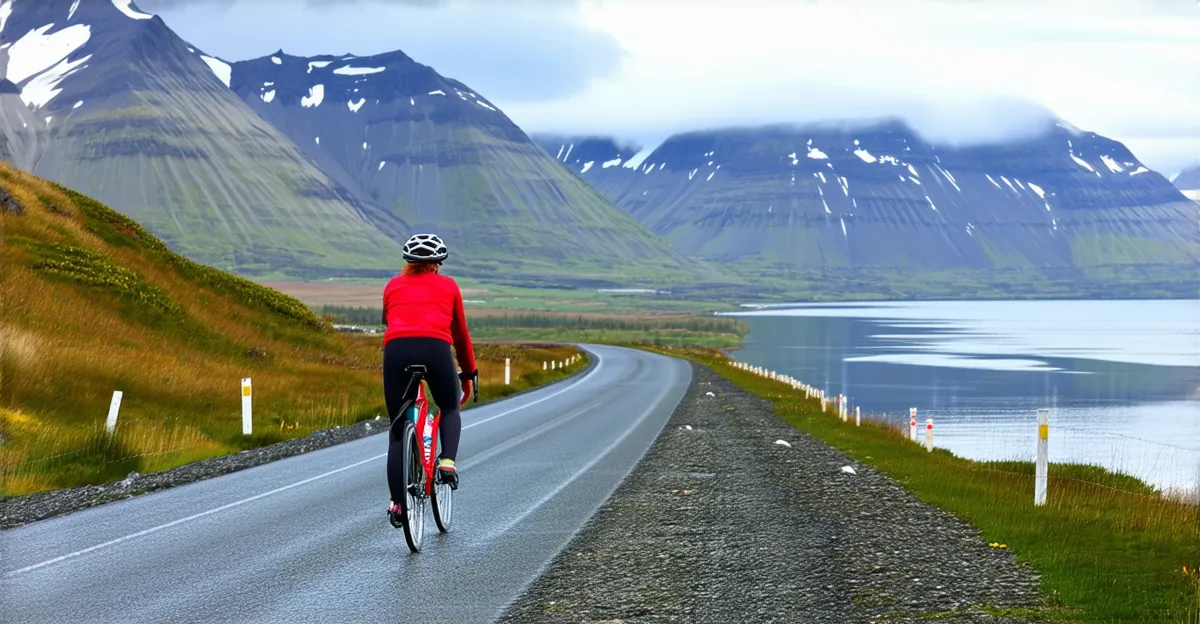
{"x": 414, "y": 491}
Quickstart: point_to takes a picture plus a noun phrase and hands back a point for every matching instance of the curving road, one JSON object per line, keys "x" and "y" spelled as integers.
{"x": 306, "y": 538}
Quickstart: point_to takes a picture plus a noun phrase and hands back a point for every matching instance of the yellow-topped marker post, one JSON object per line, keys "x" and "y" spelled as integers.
{"x": 1043, "y": 459}
{"x": 246, "y": 406}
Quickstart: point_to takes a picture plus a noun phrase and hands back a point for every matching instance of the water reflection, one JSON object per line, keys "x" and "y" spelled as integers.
{"x": 1121, "y": 377}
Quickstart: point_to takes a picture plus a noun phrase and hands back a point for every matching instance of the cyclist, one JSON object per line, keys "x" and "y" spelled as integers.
{"x": 423, "y": 313}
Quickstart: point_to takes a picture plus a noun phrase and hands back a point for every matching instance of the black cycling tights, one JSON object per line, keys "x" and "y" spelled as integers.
{"x": 435, "y": 355}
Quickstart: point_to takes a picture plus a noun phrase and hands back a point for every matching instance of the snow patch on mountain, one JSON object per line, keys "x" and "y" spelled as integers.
{"x": 38, "y": 51}
{"x": 71, "y": 13}
{"x": 587, "y": 165}
{"x": 1112, "y": 164}
{"x": 437, "y": 92}
{"x": 864, "y": 155}
{"x": 1083, "y": 163}
{"x": 42, "y": 88}
{"x": 317, "y": 64}
{"x": 127, "y": 7}
{"x": 268, "y": 96}
{"x": 316, "y": 95}
{"x": 358, "y": 71}
{"x": 277, "y": 60}
{"x": 354, "y": 106}
{"x": 1037, "y": 189}
{"x": 637, "y": 159}
{"x": 817, "y": 154}
{"x": 6, "y": 9}
{"x": 219, "y": 67}
{"x": 1140, "y": 169}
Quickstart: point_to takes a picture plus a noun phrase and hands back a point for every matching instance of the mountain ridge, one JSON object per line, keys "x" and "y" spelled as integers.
{"x": 431, "y": 152}
{"x": 130, "y": 113}
{"x": 836, "y": 199}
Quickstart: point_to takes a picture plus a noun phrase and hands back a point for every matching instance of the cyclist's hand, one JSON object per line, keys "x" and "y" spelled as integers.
{"x": 467, "y": 386}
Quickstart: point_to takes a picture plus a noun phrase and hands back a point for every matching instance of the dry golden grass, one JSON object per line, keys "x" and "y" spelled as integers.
{"x": 67, "y": 343}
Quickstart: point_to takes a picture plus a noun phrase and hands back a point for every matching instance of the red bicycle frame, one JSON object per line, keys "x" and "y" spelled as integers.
{"x": 423, "y": 420}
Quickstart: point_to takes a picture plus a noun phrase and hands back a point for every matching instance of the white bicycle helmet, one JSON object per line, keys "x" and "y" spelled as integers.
{"x": 425, "y": 248}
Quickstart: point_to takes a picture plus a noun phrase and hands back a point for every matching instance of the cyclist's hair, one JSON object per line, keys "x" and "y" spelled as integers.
{"x": 420, "y": 268}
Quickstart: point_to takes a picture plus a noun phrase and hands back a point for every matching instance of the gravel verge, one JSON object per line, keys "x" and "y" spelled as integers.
{"x": 18, "y": 510}
{"x": 721, "y": 524}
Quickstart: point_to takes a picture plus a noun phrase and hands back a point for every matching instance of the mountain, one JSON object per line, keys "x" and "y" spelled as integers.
{"x": 1188, "y": 182}
{"x": 876, "y": 210}
{"x": 430, "y": 153}
{"x": 578, "y": 151}
{"x": 112, "y": 103}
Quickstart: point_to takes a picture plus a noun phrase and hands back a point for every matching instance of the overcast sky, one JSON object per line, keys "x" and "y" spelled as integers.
{"x": 958, "y": 70}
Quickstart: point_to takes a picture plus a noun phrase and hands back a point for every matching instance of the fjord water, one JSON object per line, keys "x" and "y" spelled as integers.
{"x": 1121, "y": 378}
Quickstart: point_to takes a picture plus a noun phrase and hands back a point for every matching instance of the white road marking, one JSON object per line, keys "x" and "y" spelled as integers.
{"x": 113, "y": 542}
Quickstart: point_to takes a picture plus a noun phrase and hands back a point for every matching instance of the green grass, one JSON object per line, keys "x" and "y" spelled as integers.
{"x": 670, "y": 330}
{"x": 1110, "y": 548}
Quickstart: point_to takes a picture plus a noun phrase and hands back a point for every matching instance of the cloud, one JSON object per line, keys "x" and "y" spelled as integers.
{"x": 512, "y": 51}
{"x": 957, "y": 71}
{"x": 642, "y": 69}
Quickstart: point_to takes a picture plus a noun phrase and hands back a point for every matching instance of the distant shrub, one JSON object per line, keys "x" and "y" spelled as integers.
{"x": 93, "y": 269}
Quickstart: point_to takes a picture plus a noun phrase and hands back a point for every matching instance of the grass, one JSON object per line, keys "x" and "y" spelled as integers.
{"x": 91, "y": 303}
{"x": 654, "y": 329}
{"x": 1110, "y": 548}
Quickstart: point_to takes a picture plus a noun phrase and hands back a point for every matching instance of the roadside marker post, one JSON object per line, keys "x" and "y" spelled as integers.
{"x": 912, "y": 424}
{"x": 543, "y": 364}
{"x": 1043, "y": 460}
{"x": 110, "y": 425}
{"x": 929, "y": 434}
{"x": 857, "y": 416}
{"x": 246, "y": 421}
{"x": 507, "y": 371}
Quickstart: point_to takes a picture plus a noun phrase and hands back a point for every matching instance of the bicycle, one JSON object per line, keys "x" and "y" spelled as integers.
{"x": 422, "y": 479}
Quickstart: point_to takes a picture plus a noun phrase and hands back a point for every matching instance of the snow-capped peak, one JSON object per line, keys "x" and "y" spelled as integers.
{"x": 130, "y": 10}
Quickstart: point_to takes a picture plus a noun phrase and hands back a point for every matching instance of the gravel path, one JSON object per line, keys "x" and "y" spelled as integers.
{"x": 720, "y": 524}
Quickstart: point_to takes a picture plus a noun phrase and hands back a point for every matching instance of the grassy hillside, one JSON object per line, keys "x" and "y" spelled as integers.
{"x": 92, "y": 303}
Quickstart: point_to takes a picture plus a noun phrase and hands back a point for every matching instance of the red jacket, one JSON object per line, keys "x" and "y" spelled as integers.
{"x": 428, "y": 306}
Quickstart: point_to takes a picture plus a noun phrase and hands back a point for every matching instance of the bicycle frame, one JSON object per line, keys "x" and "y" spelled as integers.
{"x": 418, "y": 414}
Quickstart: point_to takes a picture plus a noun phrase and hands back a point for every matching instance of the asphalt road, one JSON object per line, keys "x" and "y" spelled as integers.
{"x": 307, "y": 538}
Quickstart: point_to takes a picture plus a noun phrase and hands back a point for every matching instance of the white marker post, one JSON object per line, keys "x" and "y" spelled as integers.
{"x": 857, "y": 416}
{"x": 507, "y": 371}
{"x": 110, "y": 425}
{"x": 543, "y": 364}
{"x": 1040, "y": 478}
{"x": 929, "y": 434}
{"x": 246, "y": 421}
{"x": 912, "y": 424}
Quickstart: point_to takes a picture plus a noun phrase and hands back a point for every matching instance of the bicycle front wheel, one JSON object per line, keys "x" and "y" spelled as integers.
{"x": 414, "y": 491}
{"x": 443, "y": 504}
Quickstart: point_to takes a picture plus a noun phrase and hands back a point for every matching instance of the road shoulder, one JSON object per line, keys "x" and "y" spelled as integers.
{"x": 719, "y": 523}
